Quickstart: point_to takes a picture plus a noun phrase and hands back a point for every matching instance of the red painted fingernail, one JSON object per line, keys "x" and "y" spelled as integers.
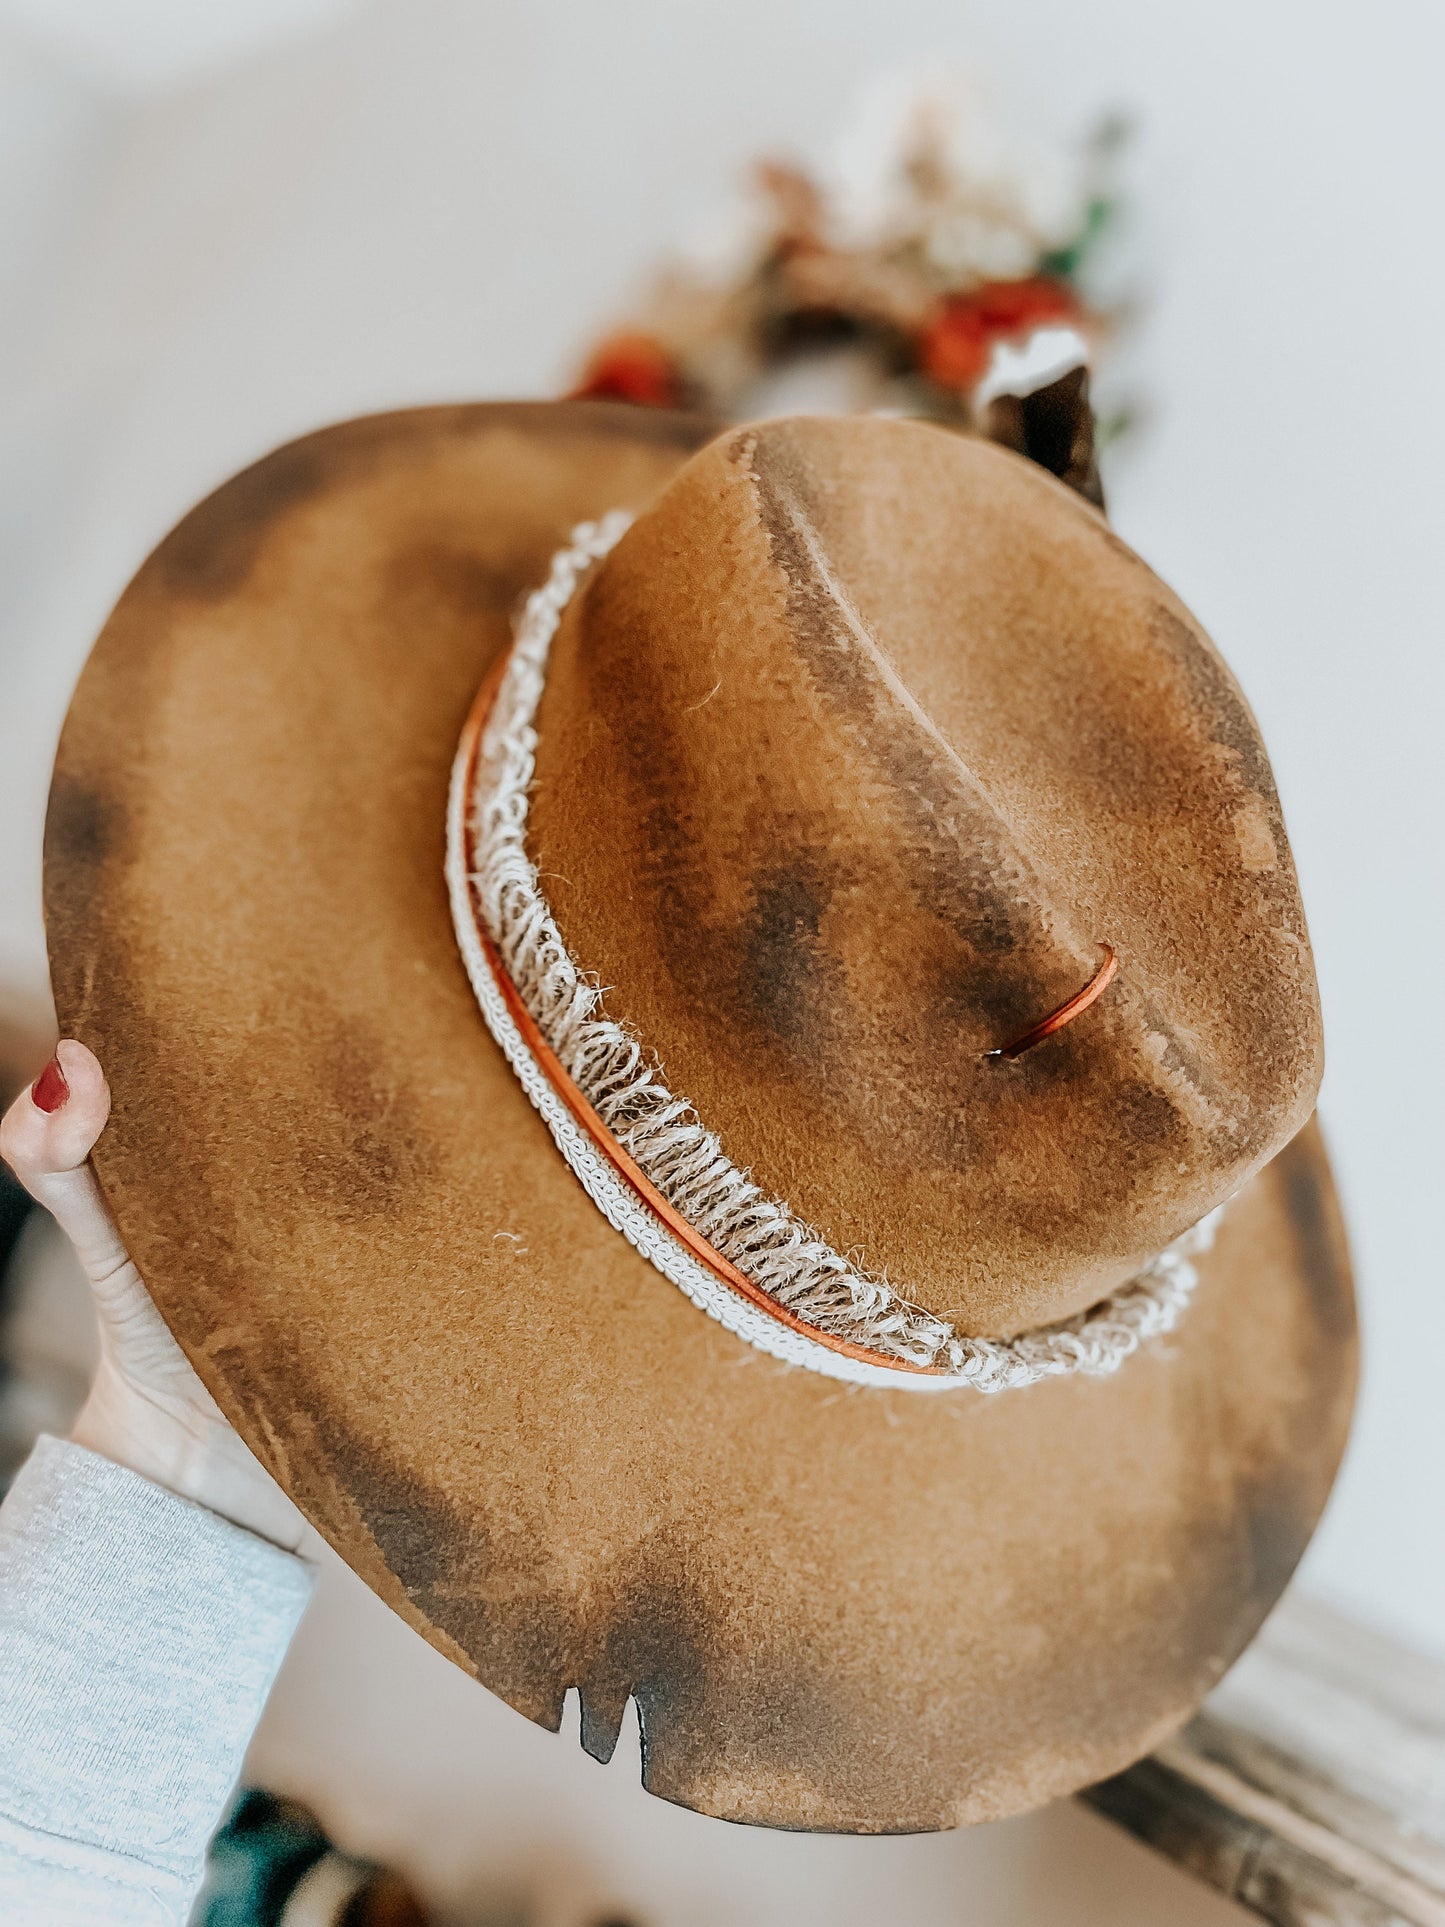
{"x": 50, "y": 1090}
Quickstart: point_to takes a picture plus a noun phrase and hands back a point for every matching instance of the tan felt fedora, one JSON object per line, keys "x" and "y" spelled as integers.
{"x": 690, "y": 1142}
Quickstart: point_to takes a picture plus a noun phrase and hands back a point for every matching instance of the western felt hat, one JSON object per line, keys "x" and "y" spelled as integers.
{"x": 573, "y": 1097}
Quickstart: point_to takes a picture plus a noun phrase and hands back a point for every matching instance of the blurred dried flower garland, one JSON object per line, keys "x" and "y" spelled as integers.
{"x": 935, "y": 270}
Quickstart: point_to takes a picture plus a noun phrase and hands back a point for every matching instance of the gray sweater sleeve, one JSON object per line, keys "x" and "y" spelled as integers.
{"x": 139, "y": 1636}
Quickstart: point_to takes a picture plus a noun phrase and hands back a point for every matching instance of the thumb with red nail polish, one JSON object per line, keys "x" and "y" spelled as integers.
{"x": 51, "y": 1129}
{"x": 50, "y": 1090}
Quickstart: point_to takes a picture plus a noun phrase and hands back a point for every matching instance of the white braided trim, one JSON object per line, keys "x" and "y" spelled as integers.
{"x": 663, "y": 1134}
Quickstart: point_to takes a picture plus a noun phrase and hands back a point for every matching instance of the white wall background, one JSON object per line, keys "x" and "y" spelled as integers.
{"x": 223, "y": 223}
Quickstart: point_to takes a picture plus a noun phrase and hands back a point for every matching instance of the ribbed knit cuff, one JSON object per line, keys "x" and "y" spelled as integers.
{"x": 139, "y": 1637}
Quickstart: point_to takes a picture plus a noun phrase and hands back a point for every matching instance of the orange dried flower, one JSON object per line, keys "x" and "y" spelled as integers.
{"x": 631, "y": 367}
{"x": 954, "y": 344}
{"x": 1008, "y": 307}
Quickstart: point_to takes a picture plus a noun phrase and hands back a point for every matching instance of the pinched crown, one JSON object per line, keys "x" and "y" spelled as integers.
{"x": 857, "y": 748}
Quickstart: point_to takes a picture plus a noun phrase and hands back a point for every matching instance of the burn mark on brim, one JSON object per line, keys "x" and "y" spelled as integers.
{"x": 209, "y": 555}
{"x": 84, "y": 826}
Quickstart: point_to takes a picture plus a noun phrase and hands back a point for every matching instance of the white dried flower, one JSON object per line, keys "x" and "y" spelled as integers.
{"x": 927, "y": 160}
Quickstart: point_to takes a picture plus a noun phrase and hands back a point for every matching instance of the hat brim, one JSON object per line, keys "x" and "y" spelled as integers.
{"x": 835, "y": 1607}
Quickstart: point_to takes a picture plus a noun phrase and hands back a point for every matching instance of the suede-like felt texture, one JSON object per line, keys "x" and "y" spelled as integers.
{"x": 853, "y": 752}
{"x": 836, "y": 1607}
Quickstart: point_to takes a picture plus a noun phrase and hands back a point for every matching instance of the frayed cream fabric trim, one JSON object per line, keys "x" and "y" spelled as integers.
{"x": 664, "y": 1136}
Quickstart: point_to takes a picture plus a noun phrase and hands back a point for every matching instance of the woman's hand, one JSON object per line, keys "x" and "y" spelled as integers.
{"x": 147, "y": 1409}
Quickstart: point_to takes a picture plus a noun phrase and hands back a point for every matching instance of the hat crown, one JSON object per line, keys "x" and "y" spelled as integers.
{"x": 855, "y": 751}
